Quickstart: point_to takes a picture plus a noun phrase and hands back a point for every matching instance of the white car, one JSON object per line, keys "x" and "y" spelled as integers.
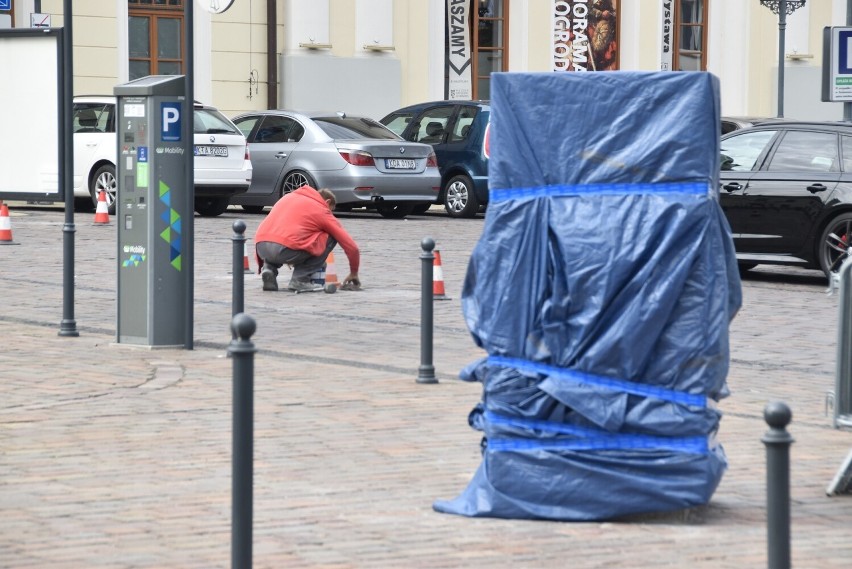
{"x": 222, "y": 163}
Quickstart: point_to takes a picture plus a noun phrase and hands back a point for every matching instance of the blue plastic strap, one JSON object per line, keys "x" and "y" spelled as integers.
{"x": 667, "y": 188}
{"x": 589, "y": 438}
{"x": 559, "y": 373}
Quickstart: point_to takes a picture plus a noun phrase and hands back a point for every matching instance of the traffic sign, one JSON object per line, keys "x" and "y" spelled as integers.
{"x": 39, "y": 20}
{"x": 6, "y": 5}
{"x": 837, "y": 64}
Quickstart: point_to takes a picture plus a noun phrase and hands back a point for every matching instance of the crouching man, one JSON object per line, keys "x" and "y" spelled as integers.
{"x": 301, "y": 231}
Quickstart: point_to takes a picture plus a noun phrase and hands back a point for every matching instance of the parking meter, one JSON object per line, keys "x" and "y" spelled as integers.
{"x": 151, "y": 206}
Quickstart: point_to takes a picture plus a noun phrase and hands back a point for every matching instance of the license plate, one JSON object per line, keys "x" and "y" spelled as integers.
{"x": 399, "y": 164}
{"x": 211, "y": 151}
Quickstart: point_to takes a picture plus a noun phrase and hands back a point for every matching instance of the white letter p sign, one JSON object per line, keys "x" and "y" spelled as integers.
{"x": 171, "y": 121}
{"x": 170, "y": 117}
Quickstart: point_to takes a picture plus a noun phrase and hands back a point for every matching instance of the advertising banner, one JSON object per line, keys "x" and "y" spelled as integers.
{"x": 31, "y": 151}
{"x": 585, "y": 35}
{"x": 458, "y": 50}
{"x": 666, "y": 55}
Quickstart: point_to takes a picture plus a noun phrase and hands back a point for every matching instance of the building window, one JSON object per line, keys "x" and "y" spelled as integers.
{"x": 690, "y": 35}
{"x": 155, "y": 37}
{"x": 490, "y": 38}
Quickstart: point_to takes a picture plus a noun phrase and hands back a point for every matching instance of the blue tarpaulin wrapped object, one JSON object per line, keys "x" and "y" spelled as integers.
{"x": 602, "y": 289}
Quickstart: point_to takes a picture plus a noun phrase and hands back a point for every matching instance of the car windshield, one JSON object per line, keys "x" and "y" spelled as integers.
{"x": 354, "y": 127}
{"x": 208, "y": 121}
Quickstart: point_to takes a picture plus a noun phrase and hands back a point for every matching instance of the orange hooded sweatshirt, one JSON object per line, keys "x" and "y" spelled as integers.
{"x": 302, "y": 221}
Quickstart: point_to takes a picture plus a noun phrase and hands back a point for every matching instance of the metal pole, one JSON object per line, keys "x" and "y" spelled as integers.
{"x": 426, "y": 372}
{"x": 68, "y": 325}
{"x": 189, "y": 175}
{"x": 843, "y": 367}
{"x": 778, "y": 441}
{"x": 238, "y": 291}
{"x": 782, "y": 27}
{"x": 242, "y": 352}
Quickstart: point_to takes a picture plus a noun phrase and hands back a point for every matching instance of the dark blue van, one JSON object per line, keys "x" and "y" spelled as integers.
{"x": 458, "y": 131}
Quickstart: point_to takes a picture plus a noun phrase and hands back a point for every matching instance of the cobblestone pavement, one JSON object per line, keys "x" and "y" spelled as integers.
{"x": 115, "y": 457}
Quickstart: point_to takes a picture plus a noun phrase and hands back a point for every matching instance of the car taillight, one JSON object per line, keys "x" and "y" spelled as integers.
{"x": 432, "y": 161}
{"x": 248, "y": 154}
{"x": 486, "y": 141}
{"x": 358, "y": 157}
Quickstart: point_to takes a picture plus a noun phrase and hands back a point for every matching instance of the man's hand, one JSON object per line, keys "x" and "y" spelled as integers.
{"x": 352, "y": 279}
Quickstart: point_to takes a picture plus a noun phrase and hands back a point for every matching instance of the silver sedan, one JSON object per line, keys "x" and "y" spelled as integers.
{"x": 357, "y": 158}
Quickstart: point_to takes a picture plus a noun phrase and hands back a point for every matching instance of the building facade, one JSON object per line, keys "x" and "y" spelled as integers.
{"x": 373, "y": 56}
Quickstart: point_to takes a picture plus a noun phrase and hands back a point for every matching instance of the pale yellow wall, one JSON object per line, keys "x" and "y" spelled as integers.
{"x": 820, "y": 15}
{"x": 239, "y": 46}
{"x": 342, "y": 27}
{"x": 95, "y": 44}
{"x": 540, "y": 35}
{"x": 763, "y": 58}
{"x": 650, "y": 20}
{"x": 410, "y": 39}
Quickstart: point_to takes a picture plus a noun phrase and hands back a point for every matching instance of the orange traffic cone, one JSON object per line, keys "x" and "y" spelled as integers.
{"x": 330, "y": 271}
{"x": 438, "y": 278}
{"x": 102, "y": 211}
{"x": 5, "y": 227}
{"x": 246, "y": 268}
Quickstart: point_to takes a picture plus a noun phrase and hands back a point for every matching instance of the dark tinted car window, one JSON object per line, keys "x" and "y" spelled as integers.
{"x": 274, "y": 128}
{"x": 729, "y": 127}
{"x": 740, "y": 152}
{"x": 461, "y": 129}
{"x": 92, "y": 117}
{"x": 352, "y": 127}
{"x": 801, "y": 151}
{"x": 433, "y": 124}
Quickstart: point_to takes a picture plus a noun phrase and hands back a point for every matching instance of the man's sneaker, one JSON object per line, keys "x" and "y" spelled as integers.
{"x": 269, "y": 280}
{"x": 303, "y": 286}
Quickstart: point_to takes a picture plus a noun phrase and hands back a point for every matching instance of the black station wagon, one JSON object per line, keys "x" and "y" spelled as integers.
{"x": 786, "y": 190}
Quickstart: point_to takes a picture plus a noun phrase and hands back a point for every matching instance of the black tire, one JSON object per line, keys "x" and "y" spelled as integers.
{"x": 252, "y": 208}
{"x": 211, "y": 207}
{"x": 833, "y": 246}
{"x": 104, "y": 179}
{"x": 394, "y": 210}
{"x": 459, "y": 197}
{"x": 421, "y": 208}
{"x": 295, "y": 180}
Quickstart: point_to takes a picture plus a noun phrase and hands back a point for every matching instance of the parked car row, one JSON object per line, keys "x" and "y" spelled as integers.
{"x": 431, "y": 153}
{"x": 785, "y": 186}
{"x": 222, "y": 163}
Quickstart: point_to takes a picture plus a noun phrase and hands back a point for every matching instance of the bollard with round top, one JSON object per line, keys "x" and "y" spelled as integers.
{"x": 237, "y": 272}
{"x": 777, "y": 440}
{"x": 426, "y": 371}
{"x": 242, "y": 352}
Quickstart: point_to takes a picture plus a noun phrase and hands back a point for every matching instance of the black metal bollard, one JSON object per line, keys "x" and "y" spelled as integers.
{"x": 426, "y": 372}
{"x": 242, "y": 352}
{"x": 778, "y": 441}
{"x": 239, "y": 244}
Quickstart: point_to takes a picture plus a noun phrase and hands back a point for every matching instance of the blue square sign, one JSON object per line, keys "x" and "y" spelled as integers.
{"x": 5, "y": 4}
{"x": 170, "y": 117}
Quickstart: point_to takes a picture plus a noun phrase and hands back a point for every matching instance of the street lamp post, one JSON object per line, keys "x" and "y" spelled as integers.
{"x": 782, "y": 8}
